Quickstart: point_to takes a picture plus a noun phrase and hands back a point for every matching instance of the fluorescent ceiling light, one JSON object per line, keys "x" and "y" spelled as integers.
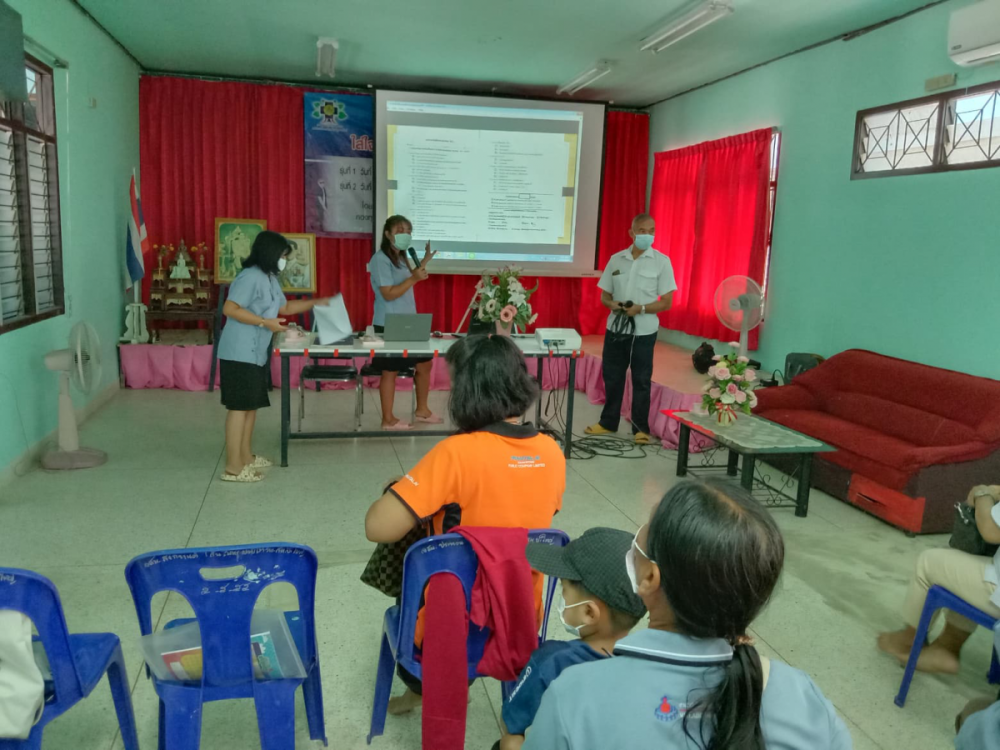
{"x": 684, "y": 26}
{"x": 598, "y": 70}
{"x": 326, "y": 57}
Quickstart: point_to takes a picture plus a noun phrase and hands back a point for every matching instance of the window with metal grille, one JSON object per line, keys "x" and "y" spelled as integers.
{"x": 31, "y": 280}
{"x": 940, "y": 133}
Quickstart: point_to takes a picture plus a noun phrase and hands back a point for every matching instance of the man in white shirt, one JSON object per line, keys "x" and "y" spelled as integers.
{"x": 637, "y": 284}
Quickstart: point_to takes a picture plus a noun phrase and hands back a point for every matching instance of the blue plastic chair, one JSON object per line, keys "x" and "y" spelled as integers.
{"x": 448, "y": 553}
{"x": 78, "y": 661}
{"x": 223, "y": 609}
{"x": 938, "y": 598}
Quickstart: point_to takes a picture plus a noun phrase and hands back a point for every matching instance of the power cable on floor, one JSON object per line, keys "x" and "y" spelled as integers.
{"x": 589, "y": 446}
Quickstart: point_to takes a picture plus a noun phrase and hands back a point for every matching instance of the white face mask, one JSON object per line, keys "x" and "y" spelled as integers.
{"x": 571, "y": 629}
{"x": 644, "y": 241}
{"x": 630, "y": 562}
{"x": 402, "y": 241}
{"x": 282, "y": 262}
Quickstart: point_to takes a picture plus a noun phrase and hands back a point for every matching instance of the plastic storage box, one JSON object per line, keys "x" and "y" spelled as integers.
{"x": 174, "y": 654}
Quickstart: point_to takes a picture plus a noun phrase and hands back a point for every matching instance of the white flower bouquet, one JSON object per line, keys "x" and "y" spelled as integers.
{"x": 502, "y": 298}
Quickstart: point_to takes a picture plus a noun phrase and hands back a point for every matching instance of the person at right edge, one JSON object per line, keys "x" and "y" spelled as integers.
{"x": 637, "y": 284}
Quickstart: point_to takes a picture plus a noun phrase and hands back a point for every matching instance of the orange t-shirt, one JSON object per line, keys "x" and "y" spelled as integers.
{"x": 507, "y": 476}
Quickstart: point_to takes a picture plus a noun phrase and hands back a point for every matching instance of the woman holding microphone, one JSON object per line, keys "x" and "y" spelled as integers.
{"x": 392, "y": 282}
{"x": 256, "y": 309}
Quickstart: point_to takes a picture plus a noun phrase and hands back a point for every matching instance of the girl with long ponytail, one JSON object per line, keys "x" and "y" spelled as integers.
{"x": 705, "y": 566}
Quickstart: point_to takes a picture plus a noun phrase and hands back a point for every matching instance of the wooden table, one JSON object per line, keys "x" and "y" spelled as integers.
{"x": 155, "y": 317}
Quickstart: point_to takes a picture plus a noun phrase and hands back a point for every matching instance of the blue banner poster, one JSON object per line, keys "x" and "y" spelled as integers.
{"x": 338, "y": 153}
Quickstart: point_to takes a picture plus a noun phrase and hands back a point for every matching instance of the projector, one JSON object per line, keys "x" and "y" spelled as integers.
{"x": 559, "y": 338}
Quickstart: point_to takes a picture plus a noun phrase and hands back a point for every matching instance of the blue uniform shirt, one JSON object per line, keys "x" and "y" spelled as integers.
{"x": 383, "y": 273}
{"x": 639, "y": 700}
{"x": 981, "y": 731}
{"x": 261, "y": 294}
{"x": 547, "y": 663}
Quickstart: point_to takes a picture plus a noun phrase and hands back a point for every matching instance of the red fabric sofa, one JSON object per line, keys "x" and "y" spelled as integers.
{"x": 911, "y": 439}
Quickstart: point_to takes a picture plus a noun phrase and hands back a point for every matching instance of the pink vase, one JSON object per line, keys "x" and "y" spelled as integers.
{"x": 503, "y": 329}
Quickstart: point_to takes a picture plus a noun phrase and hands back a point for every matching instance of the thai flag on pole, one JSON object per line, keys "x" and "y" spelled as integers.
{"x": 136, "y": 242}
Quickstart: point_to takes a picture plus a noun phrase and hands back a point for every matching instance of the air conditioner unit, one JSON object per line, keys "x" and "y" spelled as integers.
{"x": 974, "y": 34}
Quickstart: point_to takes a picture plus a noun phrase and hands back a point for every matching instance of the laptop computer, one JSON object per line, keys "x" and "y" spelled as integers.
{"x": 407, "y": 327}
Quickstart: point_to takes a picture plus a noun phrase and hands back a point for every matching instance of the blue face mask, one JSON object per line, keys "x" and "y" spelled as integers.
{"x": 402, "y": 241}
{"x": 644, "y": 241}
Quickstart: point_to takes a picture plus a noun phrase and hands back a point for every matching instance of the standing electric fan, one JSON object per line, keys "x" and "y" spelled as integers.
{"x": 81, "y": 364}
{"x": 739, "y": 303}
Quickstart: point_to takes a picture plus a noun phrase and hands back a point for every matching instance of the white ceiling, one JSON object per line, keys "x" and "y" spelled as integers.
{"x": 516, "y": 46}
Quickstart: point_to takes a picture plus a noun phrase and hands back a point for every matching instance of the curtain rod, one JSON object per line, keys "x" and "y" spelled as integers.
{"x": 51, "y": 57}
{"x": 369, "y": 89}
{"x": 261, "y": 81}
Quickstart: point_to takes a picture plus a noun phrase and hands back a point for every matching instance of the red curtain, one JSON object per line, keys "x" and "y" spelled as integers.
{"x": 710, "y": 204}
{"x": 225, "y": 149}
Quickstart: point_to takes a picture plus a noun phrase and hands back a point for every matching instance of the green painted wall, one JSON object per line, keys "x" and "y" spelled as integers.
{"x": 98, "y": 148}
{"x": 905, "y": 266}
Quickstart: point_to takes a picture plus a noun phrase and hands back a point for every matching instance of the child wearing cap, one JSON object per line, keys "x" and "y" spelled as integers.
{"x": 599, "y": 607}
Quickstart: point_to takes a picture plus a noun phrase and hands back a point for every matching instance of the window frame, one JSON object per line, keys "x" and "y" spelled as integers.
{"x": 939, "y": 165}
{"x": 46, "y": 113}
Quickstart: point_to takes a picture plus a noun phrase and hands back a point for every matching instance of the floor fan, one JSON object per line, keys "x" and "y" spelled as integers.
{"x": 81, "y": 364}
{"x": 739, "y": 303}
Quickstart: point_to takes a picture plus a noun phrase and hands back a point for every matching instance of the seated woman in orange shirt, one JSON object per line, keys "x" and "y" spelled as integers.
{"x": 496, "y": 472}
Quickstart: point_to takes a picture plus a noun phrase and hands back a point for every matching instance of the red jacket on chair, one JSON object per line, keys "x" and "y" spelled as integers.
{"x": 445, "y": 666}
{"x": 503, "y": 599}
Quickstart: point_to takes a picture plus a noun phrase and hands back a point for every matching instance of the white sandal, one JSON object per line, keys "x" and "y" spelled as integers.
{"x": 259, "y": 462}
{"x": 246, "y": 476}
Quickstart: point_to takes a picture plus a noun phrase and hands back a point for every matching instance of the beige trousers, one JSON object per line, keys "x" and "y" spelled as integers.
{"x": 960, "y": 573}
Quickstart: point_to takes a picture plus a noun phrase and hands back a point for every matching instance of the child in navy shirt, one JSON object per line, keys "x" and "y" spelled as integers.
{"x": 599, "y": 607}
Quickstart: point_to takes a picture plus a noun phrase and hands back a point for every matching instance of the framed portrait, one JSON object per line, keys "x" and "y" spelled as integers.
{"x": 300, "y": 271}
{"x": 233, "y": 240}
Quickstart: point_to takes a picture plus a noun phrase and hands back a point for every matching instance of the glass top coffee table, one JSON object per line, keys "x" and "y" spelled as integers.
{"x": 751, "y": 437}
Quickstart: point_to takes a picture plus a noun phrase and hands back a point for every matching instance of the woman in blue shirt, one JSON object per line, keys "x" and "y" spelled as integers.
{"x": 256, "y": 309}
{"x": 392, "y": 282}
{"x": 705, "y": 566}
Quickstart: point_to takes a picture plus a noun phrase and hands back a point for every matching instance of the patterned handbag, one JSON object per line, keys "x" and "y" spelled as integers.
{"x": 384, "y": 570}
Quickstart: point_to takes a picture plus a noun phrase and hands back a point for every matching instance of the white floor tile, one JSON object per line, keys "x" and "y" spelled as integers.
{"x": 845, "y": 572}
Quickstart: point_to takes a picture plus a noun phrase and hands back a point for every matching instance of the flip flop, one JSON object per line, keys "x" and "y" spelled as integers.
{"x": 597, "y": 429}
{"x": 398, "y": 427}
{"x": 432, "y": 419}
{"x": 641, "y": 438}
{"x": 246, "y": 476}
{"x": 259, "y": 462}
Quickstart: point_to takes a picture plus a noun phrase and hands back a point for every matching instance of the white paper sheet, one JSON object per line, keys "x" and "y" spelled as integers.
{"x": 332, "y": 321}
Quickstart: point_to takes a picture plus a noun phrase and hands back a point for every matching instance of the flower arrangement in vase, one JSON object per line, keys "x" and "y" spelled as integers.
{"x": 729, "y": 388}
{"x": 503, "y": 300}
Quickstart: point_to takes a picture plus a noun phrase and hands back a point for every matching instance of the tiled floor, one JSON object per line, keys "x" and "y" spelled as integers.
{"x": 844, "y": 576}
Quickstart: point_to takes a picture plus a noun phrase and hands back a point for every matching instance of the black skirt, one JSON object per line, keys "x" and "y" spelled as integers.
{"x": 394, "y": 364}
{"x": 243, "y": 385}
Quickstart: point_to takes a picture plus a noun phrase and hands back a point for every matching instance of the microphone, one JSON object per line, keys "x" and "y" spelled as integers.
{"x": 413, "y": 256}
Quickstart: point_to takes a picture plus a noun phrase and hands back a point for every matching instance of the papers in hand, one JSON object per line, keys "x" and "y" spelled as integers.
{"x": 332, "y": 322}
